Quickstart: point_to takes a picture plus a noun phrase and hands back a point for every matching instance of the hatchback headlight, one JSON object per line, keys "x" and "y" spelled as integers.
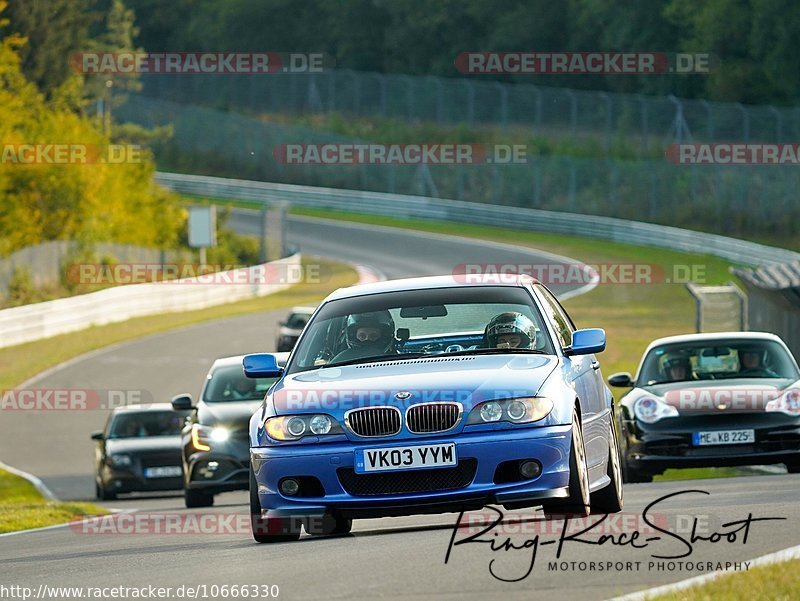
{"x": 120, "y": 460}
{"x": 294, "y": 427}
{"x": 517, "y": 411}
{"x": 650, "y": 410}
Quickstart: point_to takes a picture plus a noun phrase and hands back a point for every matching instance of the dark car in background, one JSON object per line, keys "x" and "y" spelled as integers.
{"x": 292, "y": 327}
{"x": 710, "y": 400}
{"x": 215, "y": 448}
{"x": 139, "y": 450}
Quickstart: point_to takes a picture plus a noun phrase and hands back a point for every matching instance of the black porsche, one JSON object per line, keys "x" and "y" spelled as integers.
{"x": 709, "y": 400}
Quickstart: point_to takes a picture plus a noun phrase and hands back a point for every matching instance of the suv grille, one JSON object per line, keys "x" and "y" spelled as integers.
{"x": 412, "y": 481}
{"x": 374, "y": 421}
{"x": 432, "y": 417}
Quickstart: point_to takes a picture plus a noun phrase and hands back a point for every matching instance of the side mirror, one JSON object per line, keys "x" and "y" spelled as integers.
{"x": 620, "y": 380}
{"x": 182, "y": 402}
{"x": 586, "y": 342}
{"x": 97, "y": 435}
{"x": 261, "y": 365}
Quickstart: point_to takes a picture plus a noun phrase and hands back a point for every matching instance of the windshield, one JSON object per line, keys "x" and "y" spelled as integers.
{"x": 150, "y": 423}
{"x": 228, "y": 383}
{"x": 297, "y": 321}
{"x": 422, "y": 322}
{"x": 716, "y": 360}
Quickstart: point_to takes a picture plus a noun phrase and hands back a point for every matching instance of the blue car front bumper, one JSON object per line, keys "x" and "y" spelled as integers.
{"x": 480, "y": 477}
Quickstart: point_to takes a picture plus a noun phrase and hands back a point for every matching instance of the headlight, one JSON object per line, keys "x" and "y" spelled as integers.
{"x": 650, "y": 410}
{"x": 120, "y": 460}
{"x": 294, "y": 427}
{"x": 220, "y": 434}
{"x": 788, "y": 402}
{"x": 201, "y": 435}
{"x": 518, "y": 411}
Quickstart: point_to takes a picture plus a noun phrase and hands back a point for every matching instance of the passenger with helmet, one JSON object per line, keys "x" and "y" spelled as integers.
{"x": 510, "y": 330}
{"x": 752, "y": 361}
{"x": 678, "y": 368}
{"x": 367, "y": 335}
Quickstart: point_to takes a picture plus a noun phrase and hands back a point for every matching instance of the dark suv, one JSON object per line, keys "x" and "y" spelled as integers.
{"x": 215, "y": 444}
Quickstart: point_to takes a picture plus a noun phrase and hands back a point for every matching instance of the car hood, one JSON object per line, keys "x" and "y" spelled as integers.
{"x": 145, "y": 444}
{"x": 234, "y": 414}
{"x": 465, "y": 379}
{"x": 742, "y": 395}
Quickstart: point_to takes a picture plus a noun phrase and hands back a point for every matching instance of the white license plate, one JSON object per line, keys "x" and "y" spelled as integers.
{"x": 169, "y": 471}
{"x": 405, "y": 458}
{"x": 724, "y": 437}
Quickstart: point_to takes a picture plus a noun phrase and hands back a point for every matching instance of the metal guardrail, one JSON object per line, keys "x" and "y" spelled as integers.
{"x": 405, "y": 206}
{"x": 43, "y": 320}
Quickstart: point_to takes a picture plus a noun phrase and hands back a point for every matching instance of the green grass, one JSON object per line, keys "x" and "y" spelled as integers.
{"x": 18, "y": 363}
{"x": 776, "y": 582}
{"x": 22, "y": 507}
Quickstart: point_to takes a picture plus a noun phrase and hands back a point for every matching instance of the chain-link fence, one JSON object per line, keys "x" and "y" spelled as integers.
{"x": 644, "y": 123}
{"x": 752, "y": 201}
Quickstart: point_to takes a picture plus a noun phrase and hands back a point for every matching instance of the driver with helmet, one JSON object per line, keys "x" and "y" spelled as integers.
{"x": 367, "y": 335}
{"x": 510, "y": 330}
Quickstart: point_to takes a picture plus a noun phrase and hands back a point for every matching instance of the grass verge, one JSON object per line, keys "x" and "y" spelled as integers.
{"x": 22, "y": 507}
{"x": 776, "y": 582}
{"x": 18, "y": 363}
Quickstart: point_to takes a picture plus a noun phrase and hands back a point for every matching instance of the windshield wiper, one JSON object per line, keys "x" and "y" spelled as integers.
{"x": 376, "y": 359}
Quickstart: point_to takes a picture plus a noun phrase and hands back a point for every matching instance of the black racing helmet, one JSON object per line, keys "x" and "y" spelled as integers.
{"x": 678, "y": 360}
{"x": 380, "y": 320}
{"x": 511, "y": 323}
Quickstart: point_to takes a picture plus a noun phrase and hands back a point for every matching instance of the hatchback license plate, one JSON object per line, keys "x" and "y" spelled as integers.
{"x": 169, "y": 471}
{"x": 405, "y": 458}
{"x": 724, "y": 437}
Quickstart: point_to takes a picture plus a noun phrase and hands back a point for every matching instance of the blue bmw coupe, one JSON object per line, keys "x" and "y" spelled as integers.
{"x": 432, "y": 395}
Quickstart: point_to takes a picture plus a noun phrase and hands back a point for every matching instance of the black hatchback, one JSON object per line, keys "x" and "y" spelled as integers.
{"x": 139, "y": 450}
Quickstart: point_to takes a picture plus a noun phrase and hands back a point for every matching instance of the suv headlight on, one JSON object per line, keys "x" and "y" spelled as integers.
{"x": 294, "y": 427}
{"x": 788, "y": 402}
{"x": 518, "y": 411}
{"x": 203, "y": 437}
{"x": 650, "y": 410}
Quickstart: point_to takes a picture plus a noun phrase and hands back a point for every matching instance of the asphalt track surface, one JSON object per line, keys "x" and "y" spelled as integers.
{"x": 395, "y": 558}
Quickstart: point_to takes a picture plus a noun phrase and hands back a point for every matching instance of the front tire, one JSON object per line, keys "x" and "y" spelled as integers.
{"x": 269, "y": 530}
{"x": 610, "y": 498}
{"x": 102, "y": 493}
{"x": 793, "y": 468}
{"x": 577, "y": 504}
{"x": 197, "y": 498}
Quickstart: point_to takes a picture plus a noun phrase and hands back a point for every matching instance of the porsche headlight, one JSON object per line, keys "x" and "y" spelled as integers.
{"x": 294, "y": 427}
{"x": 649, "y": 410}
{"x": 788, "y": 402}
{"x": 518, "y": 411}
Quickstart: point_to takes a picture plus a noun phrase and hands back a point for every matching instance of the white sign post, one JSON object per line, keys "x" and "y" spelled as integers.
{"x": 202, "y": 229}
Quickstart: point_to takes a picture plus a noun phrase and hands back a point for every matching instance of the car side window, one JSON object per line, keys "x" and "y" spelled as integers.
{"x": 558, "y": 317}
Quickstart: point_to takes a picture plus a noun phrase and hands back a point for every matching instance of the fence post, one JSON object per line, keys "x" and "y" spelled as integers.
{"x": 745, "y": 122}
{"x": 382, "y": 81}
{"x": 606, "y": 97}
{"x": 709, "y": 120}
{"x": 778, "y": 123}
{"x": 645, "y": 131}
{"x": 573, "y": 113}
{"x": 503, "y": 104}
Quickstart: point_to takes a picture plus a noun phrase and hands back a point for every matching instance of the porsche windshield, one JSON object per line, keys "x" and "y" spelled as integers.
{"x": 422, "y": 322}
{"x": 717, "y": 360}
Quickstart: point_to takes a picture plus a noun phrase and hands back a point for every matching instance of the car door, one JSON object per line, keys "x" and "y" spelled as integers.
{"x": 583, "y": 373}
